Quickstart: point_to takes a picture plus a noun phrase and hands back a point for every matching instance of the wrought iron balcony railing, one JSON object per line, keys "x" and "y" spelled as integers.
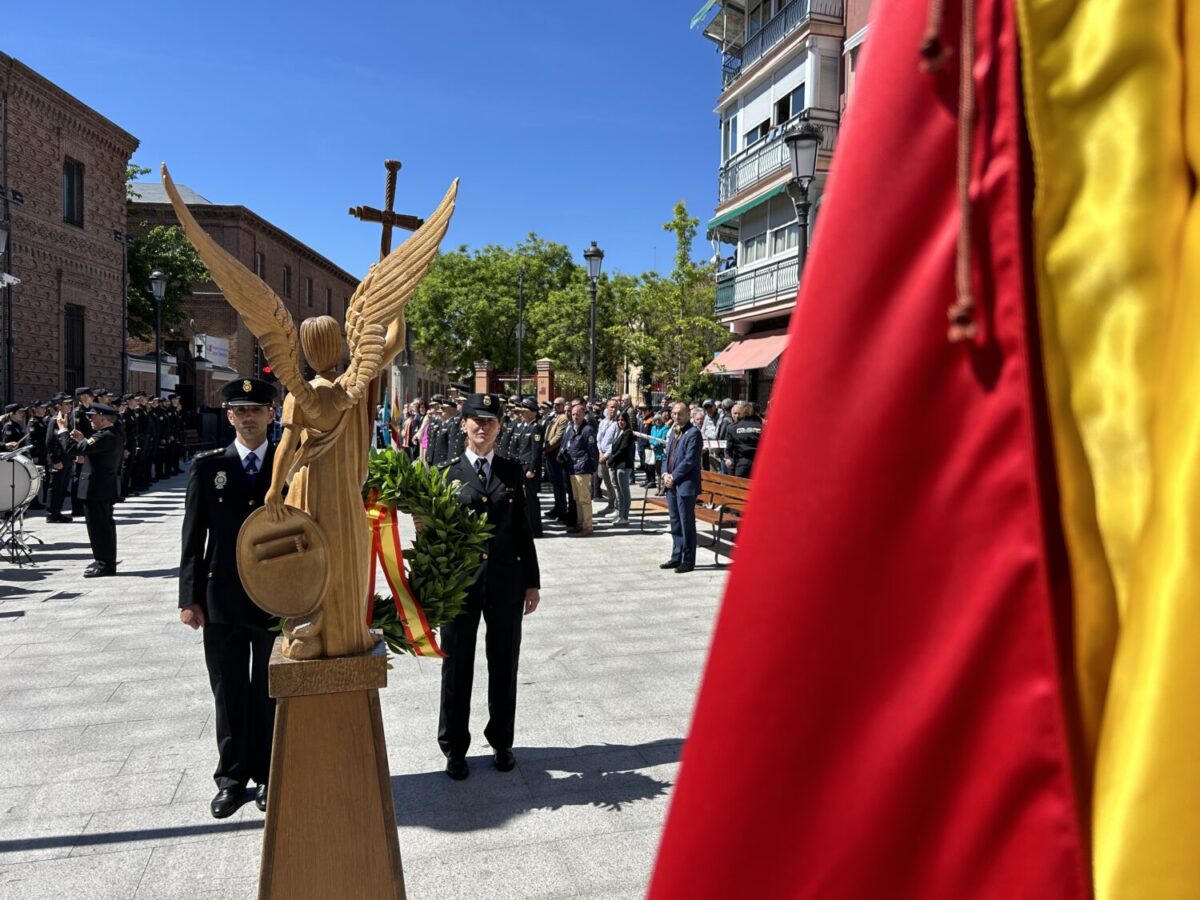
{"x": 778, "y": 27}
{"x": 768, "y": 156}
{"x": 762, "y": 285}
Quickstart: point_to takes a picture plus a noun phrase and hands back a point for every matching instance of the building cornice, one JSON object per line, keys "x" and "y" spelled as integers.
{"x": 237, "y": 214}
{"x": 56, "y": 105}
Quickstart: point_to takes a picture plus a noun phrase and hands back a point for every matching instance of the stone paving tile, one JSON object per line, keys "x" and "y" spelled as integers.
{"x": 166, "y": 826}
{"x": 89, "y": 795}
{"x": 106, "y": 721}
{"x": 224, "y": 869}
{"x": 30, "y": 840}
{"x": 111, "y": 876}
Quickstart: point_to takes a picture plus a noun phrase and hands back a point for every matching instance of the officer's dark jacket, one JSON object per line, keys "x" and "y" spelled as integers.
{"x": 578, "y": 451}
{"x": 219, "y": 498}
{"x": 530, "y": 449}
{"x": 511, "y": 565}
{"x": 743, "y": 442}
{"x": 101, "y": 461}
{"x": 11, "y": 432}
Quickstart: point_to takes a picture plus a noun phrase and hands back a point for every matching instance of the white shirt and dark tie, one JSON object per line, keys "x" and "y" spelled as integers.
{"x": 252, "y": 460}
{"x": 481, "y": 464}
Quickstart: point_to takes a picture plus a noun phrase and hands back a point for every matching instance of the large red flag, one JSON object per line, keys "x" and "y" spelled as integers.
{"x": 882, "y": 714}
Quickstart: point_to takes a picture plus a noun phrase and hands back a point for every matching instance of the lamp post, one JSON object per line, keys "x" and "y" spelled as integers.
{"x": 520, "y": 325}
{"x": 594, "y": 256}
{"x": 158, "y": 287}
{"x": 124, "y": 239}
{"x": 802, "y": 146}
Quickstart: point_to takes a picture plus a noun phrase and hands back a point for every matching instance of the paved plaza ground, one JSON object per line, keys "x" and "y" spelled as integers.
{"x": 106, "y": 728}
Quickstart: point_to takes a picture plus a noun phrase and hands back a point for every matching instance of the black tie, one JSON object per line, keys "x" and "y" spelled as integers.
{"x": 481, "y": 469}
{"x": 251, "y": 466}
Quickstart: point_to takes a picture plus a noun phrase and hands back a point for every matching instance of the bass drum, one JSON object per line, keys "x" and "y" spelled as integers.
{"x": 20, "y": 481}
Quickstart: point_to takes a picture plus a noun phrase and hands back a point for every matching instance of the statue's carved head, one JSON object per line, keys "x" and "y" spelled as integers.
{"x": 321, "y": 340}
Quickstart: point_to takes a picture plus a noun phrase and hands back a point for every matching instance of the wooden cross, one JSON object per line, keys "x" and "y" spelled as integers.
{"x": 386, "y": 216}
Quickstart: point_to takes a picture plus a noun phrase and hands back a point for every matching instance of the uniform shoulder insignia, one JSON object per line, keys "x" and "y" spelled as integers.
{"x": 537, "y": 437}
{"x": 91, "y": 441}
{"x": 454, "y": 461}
{"x": 209, "y": 454}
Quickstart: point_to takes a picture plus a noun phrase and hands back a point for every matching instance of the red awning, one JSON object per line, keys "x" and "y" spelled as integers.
{"x": 754, "y": 351}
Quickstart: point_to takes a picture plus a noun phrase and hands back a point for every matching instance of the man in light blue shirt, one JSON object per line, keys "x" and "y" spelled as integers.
{"x": 606, "y": 433}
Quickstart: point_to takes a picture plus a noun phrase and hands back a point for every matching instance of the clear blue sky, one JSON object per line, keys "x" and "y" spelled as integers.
{"x": 575, "y": 120}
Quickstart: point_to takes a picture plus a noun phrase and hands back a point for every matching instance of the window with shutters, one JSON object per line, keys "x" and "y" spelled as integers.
{"x": 73, "y": 372}
{"x": 72, "y": 192}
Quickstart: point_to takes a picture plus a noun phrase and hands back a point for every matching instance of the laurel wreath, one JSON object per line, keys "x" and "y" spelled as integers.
{"x": 443, "y": 561}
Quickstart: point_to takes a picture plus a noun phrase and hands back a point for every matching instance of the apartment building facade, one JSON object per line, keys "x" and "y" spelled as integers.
{"x": 784, "y": 65}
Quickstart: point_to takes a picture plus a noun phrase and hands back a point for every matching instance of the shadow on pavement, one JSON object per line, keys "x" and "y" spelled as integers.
{"x": 151, "y": 573}
{"x": 121, "y": 837}
{"x": 550, "y": 778}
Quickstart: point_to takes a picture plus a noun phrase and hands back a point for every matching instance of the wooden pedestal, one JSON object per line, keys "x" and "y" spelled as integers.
{"x": 331, "y": 826}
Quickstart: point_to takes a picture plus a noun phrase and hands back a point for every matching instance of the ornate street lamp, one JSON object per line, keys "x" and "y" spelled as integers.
{"x": 594, "y": 257}
{"x": 802, "y": 146}
{"x": 158, "y": 287}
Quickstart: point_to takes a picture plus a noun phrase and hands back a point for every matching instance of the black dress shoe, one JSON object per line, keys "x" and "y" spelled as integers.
{"x": 574, "y": 529}
{"x": 456, "y": 767}
{"x": 227, "y": 801}
{"x": 260, "y": 797}
{"x": 53, "y": 518}
{"x": 505, "y": 761}
{"x": 684, "y": 568}
{"x": 669, "y": 564}
{"x": 99, "y": 570}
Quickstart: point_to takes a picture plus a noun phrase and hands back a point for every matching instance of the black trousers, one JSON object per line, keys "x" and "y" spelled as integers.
{"x": 533, "y": 505}
{"x": 502, "y": 644}
{"x": 60, "y": 484}
{"x": 237, "y": 658}
{"x": 101, "y": 530}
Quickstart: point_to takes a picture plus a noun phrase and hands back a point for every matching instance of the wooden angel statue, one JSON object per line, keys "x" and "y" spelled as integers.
{"x": 327, "y": 421}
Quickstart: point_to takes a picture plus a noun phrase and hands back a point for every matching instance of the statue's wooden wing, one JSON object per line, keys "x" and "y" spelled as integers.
{"x": 379, "y": 300}
{"x": 259, "y": 306}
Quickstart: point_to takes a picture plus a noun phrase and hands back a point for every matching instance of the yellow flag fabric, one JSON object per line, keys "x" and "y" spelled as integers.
{"x": 1117, "y": 260}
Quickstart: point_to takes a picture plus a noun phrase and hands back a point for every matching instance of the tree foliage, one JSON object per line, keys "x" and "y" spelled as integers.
{"x": 166, "y": 248}
{"x": 466, "y": 310}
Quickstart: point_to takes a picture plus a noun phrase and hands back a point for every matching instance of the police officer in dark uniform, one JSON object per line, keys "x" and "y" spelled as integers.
{"x": 742, "y": 445}
{"x": 529, "y": 452}
{"x": 13, "y": 432}
{"x": 60, "y": 464}
{"x": 130, "y": 422}
{"x": 101, "y": 454}
{"x": 224, "y": 487}
{"x": 36, "y": 425}
{"x": 439, "y": 450}
{"x": 177, "y": 433}
{"x": 505, "y": 590}
{"x": 452, "y": 426}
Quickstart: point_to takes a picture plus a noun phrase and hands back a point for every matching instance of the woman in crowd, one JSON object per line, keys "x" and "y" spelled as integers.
{"x": 658, "y": 440}
{"x": 620, "y": 463}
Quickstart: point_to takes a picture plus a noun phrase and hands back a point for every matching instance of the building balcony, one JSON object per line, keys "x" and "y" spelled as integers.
{"x": 795, "y": 15}
{"x": 769, "y": 156}
{"x": 765, "y": 284}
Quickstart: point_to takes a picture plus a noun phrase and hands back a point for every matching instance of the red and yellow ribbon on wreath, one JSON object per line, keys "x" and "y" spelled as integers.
{"x": 385, "y": 548}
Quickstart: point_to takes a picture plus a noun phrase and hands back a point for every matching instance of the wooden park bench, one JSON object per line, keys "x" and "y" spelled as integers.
{"x": 720, "y": 504}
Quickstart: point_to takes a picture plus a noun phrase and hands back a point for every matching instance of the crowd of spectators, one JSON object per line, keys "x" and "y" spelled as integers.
{"x": 595, "y": 454}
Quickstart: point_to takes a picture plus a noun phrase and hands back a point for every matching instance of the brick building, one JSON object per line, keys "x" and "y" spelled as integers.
{"x": 307, "y": 282}
{"x": 68, "y": 163}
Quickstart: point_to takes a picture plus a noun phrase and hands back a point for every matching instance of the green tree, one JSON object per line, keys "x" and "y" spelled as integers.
{"x": 166, "y": 248}
{"x": 466, "y": 308}
{"x": 682, "y": 311}
{"x": 133, "y": 171}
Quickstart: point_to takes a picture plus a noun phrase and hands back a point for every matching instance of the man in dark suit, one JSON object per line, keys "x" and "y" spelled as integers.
{"x": 505, "y": 590}
{"x": 681, "y": 478}
{"x": 224, "y": 487}
{"x": 101, "y": 455}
